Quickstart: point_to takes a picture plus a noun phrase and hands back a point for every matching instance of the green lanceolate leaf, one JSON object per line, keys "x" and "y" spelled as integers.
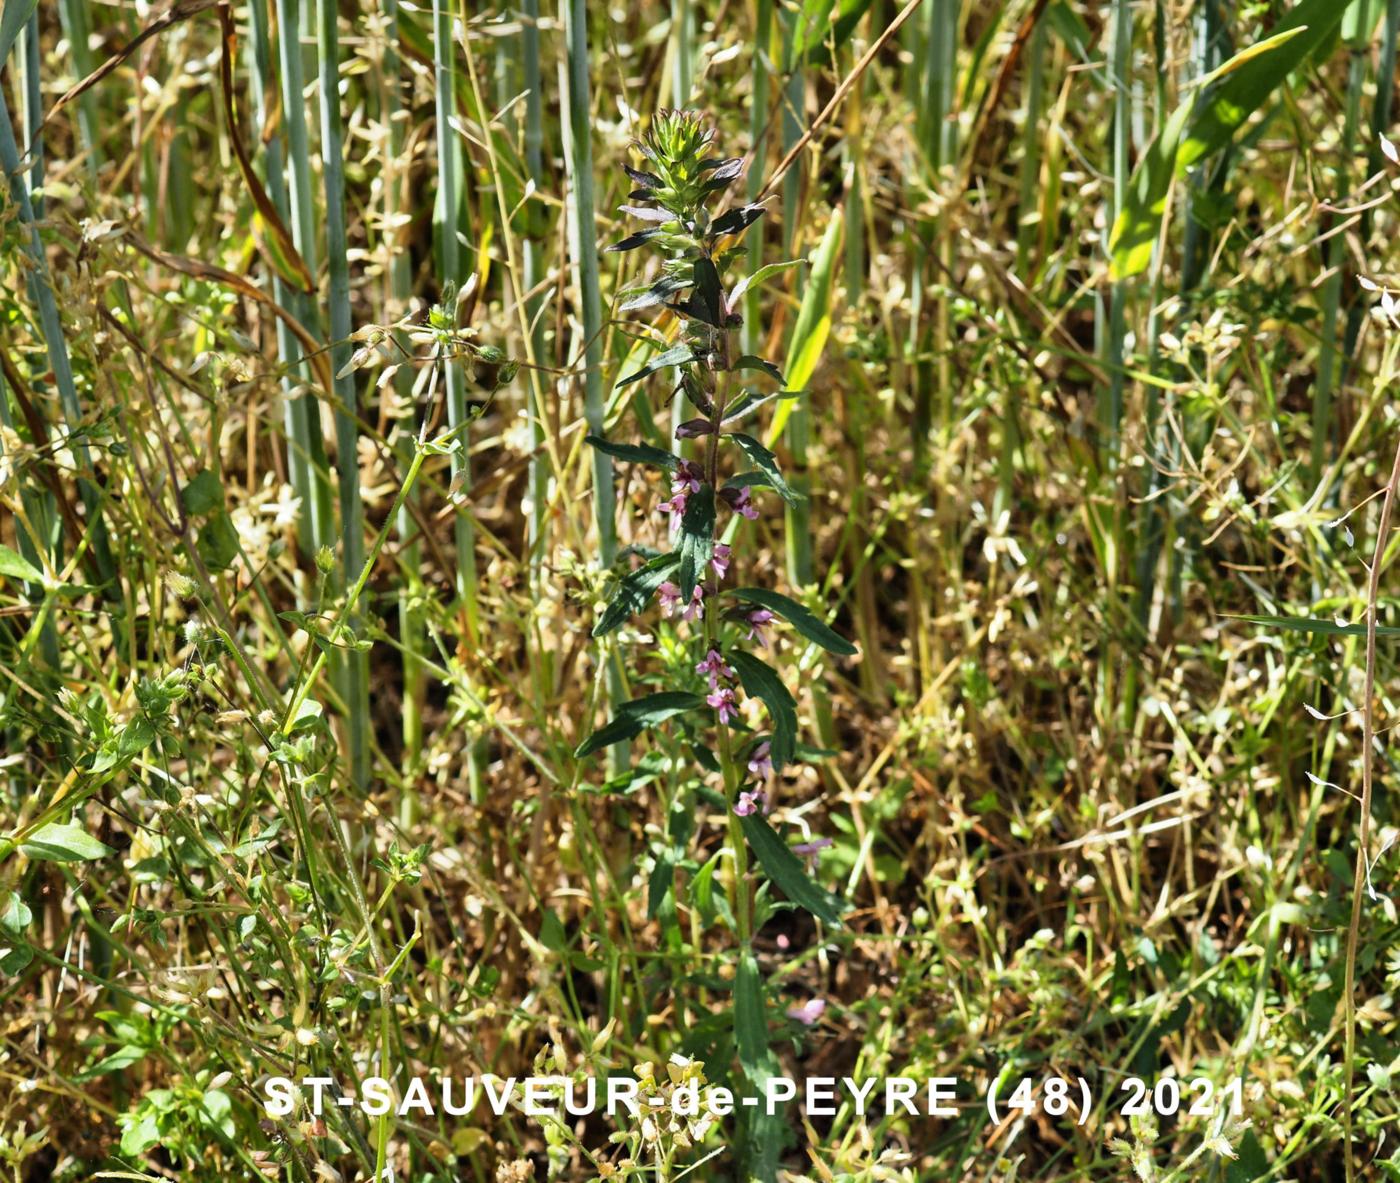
{"x": 1204, "y": 125}
{"x": 203, "y": 494}
{"x": 677, "y": 355}
{"x": 810, "y": 626}
{"x": 63, "y": 842}
{"x": 16, "y": 566}
{"x": 786, "y": 870}
{"x": 658, "y": 293}
{"x": 757, "y": 278}
{"x": 634, "y": 593}
{"x": 750, "y": 362}
{"x": 737, "y": 220}
{"x": 697, "y": 539}
{"x": 750, "y": 1018}
{"x": 760, "y": 681}
{"x": 636, "y": 453}
{"x": 768, "y": 465}
{"x": 15, "y": 16}
{"x": 634, "y": 717}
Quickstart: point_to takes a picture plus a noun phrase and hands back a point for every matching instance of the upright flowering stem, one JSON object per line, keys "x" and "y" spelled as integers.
{"x": 718, "y": 376}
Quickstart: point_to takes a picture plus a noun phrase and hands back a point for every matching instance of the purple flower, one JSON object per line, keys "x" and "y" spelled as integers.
{"x": 725, "y": 703}
{"x": 713, "y": 666}
{"x": 811, "y": 847}
{"x": 670, "y": 596}
{"x": 757, "y": 619}
{"x": 760, "y": 762}
{"x": 809, "y": 1012}
{"x": 749, "y": 802}
{"x": 720, "y": 559}
{"x": 696, "y": 605}
{"x": 741, "y": 502}
{"x": 689, "y": 478}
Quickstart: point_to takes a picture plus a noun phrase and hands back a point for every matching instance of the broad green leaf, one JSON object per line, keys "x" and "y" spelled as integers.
{"x": 14, "y": 914}
{"x": 767, "y": 464}
{"x": 1308, "y": 624}
{"x": 636, "y": 453}
{"x": 16, "y": 566}
{"x": 786, "y": 870}
{"x": 697, "y": 542}
{"x": 760, "y": 681}
{"x": 707, "y": 901}
{"x": 675, "y": 356}
{"x": 1200, "y": 127}
{"x": 757, "y": 278}
{"x": 204, "y": 494}
{"x": 800, "y": 618}
{"x": 63, "y": 842}
{"x": 634, "y": 717}
{"x": 663, "y": 881}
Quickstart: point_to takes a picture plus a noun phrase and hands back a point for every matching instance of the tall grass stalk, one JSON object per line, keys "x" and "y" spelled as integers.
{"x": 355, "y": 664}
{"x": 302, "y": 413}
{"x": 577, "y": 128}
{"x": 533, "y": 271}
{"x": 445, "y": 214}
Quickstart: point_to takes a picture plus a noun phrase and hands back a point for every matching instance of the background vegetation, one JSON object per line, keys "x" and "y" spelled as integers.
{"x": 1097, "y": 360}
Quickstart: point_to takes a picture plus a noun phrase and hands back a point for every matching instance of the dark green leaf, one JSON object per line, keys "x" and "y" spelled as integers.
{"x": 697, "y": 543}
{"x": 633, "y": 241}
{"x": 708, "y": 299}
{"x": 760, "y": 681}
{"x": 204, "y": 494}
{"x": 659, "y": 292}
{"x": 786, "y": 870}
{"x": 16, "y": 16}
{"x": 768, "y": 465}
{"x": 634, "y": 717}
{"x": 677, "y": 355}
{"x": 645, "y": 180}
{"x": 800, "y": 618}
{"x": 750, "y": 1018}
{"x": 750, "y": 362}
{"x": 636, "y": 453}
{"x": 738, "y": 219}
{"x": 634, "y": 593}
{"x": 663, "y": 881}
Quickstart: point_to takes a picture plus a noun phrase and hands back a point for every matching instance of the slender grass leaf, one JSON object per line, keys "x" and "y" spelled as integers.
{"x": 64, "y": 842}
{"x": 697, "y": 543}
{"x": 636, "y": 453}
{"x": 15, "y": 16}
{"x": 677, "y": 355}
{"x": 805, "y": 622}
{"x": 634, "y": 717}
{"x": 760, "y": 681}
{"x": 786, "y": 870}
{"x": 1308, "y": 624}
{"x": 768, "y": 465}
{"x": 813, "y": 325}
{"x": 750, "y": 281}
{"x": 634, "y": 593}
{"x": 1203, "y": 125}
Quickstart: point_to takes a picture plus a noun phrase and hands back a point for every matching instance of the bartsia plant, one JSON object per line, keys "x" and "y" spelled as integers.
{"x": 719, "y": 476}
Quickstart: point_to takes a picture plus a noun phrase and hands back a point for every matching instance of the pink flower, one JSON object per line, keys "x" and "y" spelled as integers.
{"x": 725, "y": 703}
{"x": 720, "y": 559}
{"x": 670, "y": 596}
{"x": 714, "y": 667}
{"x": 741, "y": 502}
{"x": 675, "y": 507}
{"x": 696, "y": 605}
{"x": 757, "y": 619}
{"x": 809, "y": 1012}
{"x": 761, "y": 763}
{"x": 749, "y": 802}
{"x": 811, "y": 847}
{"x": 688, "y": 479}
